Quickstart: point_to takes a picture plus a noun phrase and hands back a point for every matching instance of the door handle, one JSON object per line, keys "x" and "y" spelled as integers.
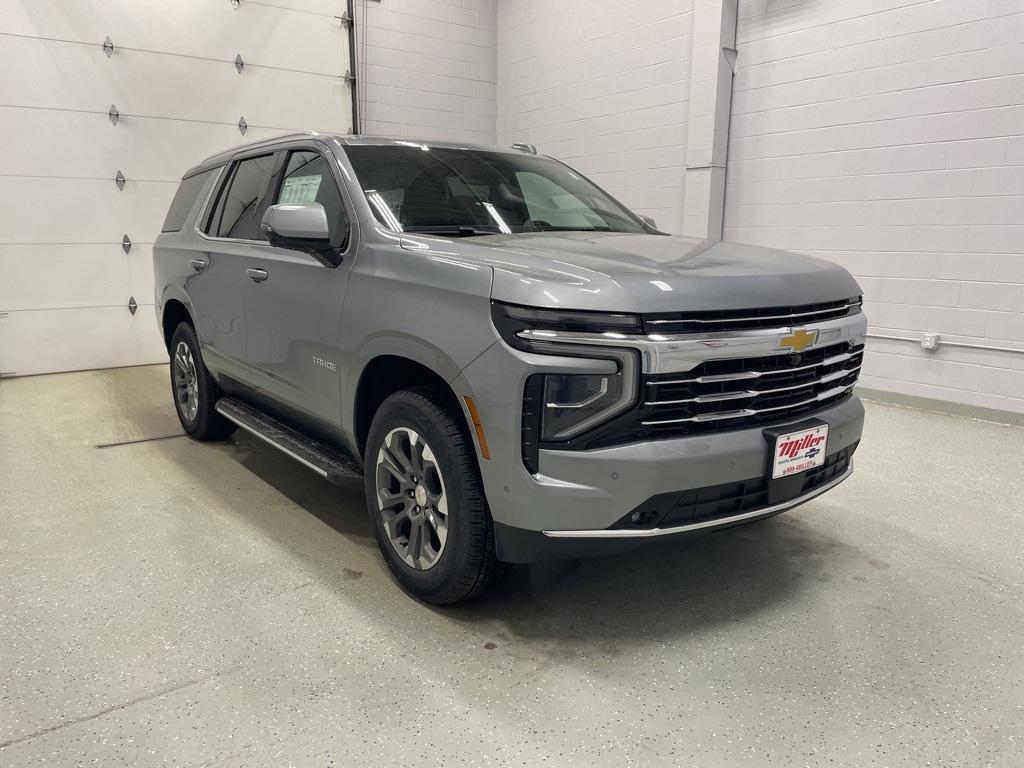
{"x": 198, "y": 265}
{"x": 257, "y": 275}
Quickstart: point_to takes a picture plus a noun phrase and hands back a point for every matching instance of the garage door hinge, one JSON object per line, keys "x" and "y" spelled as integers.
{"x": 132, "y": 306}
{"x": 345, "y": 19}
{"x": 113, "y": 114}
{"x": 126, "y": 243}
{"x": 239, "y": 64}
{"x": 108, "y": 46}
{"x": 242, "y": 125}
{"x": 348, "y": 77}
{"x": 119, "y": 179}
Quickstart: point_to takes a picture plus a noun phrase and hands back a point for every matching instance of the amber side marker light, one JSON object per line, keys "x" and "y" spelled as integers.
{"x": 474, "y": 415}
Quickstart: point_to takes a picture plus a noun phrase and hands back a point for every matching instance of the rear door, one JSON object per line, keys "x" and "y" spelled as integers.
{"x": 293, "y": 301}
{"x": 227, "y": 232}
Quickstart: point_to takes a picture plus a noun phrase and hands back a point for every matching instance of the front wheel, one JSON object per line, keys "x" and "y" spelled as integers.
{"x": 424, "y": 494}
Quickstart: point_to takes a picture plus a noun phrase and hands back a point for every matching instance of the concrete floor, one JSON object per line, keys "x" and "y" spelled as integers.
{"x": 170, "y": 603}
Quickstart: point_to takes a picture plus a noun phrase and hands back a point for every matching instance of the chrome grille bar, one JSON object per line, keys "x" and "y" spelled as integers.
{"x": 745, "y": 412}
{"x": 842, "y": 357}
{"x": 757, "y": 318}
{"x": 741, "y": 394}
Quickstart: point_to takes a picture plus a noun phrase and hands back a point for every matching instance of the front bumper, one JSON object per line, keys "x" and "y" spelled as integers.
{"x": 518, "y": 545}
{"x": 578, "y": 495}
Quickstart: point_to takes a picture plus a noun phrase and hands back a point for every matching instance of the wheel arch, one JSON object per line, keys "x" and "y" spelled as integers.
{"x": 386, "y": 374}
{"x": 175, "y": 312}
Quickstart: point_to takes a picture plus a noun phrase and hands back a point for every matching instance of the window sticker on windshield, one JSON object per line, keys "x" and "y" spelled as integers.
{"x": 300, "y": 189}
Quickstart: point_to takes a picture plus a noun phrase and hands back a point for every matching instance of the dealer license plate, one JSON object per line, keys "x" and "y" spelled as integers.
{"x": 799, "y": 451}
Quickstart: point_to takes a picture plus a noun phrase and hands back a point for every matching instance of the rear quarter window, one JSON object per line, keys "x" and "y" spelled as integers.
{"x": 184, "y": 200}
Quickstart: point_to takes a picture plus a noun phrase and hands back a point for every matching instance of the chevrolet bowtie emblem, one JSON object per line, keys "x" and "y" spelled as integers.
{"x": 798, "y": 340}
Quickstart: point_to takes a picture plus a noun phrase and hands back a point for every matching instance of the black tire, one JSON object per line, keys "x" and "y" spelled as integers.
{"x": 466, "y": 564}
{"x": 206, "y": 423}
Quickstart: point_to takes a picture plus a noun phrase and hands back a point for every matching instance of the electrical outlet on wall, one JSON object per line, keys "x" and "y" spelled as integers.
{"x": 930, "y": 341}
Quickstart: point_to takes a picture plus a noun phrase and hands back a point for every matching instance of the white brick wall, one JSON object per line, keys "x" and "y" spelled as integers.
{"x": 427, "y": 68}
{"x": 604, "y": 86}
{"x": 885, "y": 135}
{"x": 888, "y": 136}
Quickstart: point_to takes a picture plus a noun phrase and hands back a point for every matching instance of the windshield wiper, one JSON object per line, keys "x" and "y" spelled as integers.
{"x": 455, "y": 231}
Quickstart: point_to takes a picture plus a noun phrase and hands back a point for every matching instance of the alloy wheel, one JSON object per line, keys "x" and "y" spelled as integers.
{"x": 411, "y": 498}
{"x": 186, "y": 382}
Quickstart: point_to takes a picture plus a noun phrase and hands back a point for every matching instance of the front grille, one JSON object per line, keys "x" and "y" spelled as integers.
{"x": 726, "y": 395}
{"x": 746, "y": 319}
{"x": 721, "y": 395}
{"x": 717, "y": 501}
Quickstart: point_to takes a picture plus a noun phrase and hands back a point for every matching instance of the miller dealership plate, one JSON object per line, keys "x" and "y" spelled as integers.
{"x": 799, "y": 451}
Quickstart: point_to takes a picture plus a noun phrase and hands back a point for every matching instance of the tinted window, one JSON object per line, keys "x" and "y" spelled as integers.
{"x": 238, "y": 208}
{"x": 434, "y": 189}
{"x": 308, "y": 179}
{"x": 183, "y": 201}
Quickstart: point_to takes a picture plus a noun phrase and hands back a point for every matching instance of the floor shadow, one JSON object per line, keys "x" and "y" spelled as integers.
{"x": 661, "y": 590}
{"x": 340, "y": 507}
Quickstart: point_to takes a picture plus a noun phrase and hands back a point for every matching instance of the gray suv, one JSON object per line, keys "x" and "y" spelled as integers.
{"x": 514, "y": 365}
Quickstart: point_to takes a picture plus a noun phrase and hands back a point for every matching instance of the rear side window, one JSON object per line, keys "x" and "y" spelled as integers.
{"x": 184, "y": 199}
{"x": 308, "y": 179}
{"x": 238, "y": 205}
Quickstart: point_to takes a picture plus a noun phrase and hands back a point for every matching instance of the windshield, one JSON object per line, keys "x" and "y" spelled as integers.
{"x": 467, "y": 192}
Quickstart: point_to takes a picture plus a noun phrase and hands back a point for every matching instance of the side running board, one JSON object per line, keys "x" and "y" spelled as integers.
{"x": 330, "y": 462}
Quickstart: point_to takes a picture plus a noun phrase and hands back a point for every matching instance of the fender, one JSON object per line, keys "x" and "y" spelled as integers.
{"x": 394, "y": 344}
{"x": 173, "y": 292}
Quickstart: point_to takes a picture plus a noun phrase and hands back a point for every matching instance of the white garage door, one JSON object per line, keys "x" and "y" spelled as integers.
{"x": 68, "y": 281}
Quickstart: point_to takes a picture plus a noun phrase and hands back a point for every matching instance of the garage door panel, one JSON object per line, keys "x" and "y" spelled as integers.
{"x": 140, "y": 274}
{"x": 53, "y": 340}
{"x": 263, "y": 34}
{"x": 65, "y": 281}
{"x": 40, "y": 276}
{"x": 324, "y": 7}
{"x": 80, "y": 210}
{"x": 45, "y": 74}
{"x": 143, "y": 149}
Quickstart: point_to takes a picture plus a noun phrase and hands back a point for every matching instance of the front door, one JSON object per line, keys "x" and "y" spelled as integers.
{"x": 293, "y": 301}
{"x": 226, "y": 235}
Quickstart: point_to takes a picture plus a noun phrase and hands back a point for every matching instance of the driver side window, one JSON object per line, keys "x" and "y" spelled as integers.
{"x": 307, "y": 178}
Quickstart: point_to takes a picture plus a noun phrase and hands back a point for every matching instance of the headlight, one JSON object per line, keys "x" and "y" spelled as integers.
{"x": 572, "y": 403}
{"x": 560, "y": 406}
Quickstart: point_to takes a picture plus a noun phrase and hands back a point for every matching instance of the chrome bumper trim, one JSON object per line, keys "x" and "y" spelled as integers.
{"x": 615, "y": 533}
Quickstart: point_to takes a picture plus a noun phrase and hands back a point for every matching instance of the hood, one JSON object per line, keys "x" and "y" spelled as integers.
{"x": 625, "y": 272}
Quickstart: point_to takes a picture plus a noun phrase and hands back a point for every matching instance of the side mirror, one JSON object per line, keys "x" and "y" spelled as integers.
{"x": 649, "y": 222}
{"x": 300, "y": 227}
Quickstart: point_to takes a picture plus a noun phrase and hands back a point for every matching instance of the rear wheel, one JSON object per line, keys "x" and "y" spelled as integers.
{"x": 194, "y": 390}
{"x": 424, "y": 494}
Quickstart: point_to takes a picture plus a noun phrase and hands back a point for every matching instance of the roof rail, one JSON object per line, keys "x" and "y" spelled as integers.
{"x": 529, "y": 149}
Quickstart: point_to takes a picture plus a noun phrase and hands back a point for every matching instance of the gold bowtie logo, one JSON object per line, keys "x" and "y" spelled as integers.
{"x": 798, "y": 340}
